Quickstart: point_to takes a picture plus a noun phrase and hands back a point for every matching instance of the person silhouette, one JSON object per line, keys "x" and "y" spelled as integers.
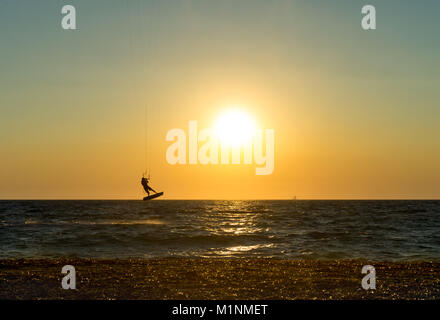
{"x": 147, "y": 188}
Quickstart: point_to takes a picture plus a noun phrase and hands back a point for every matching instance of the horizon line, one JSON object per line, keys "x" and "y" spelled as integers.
{"x": 223, "y": 199}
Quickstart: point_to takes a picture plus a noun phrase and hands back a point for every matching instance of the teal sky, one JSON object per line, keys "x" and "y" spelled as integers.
{"x": 72, "y": 103}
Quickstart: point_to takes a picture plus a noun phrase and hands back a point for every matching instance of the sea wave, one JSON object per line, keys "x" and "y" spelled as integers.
{"x": 380, "y": 230}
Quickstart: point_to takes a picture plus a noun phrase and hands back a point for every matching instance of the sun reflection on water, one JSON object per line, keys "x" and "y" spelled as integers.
{"x": 231, "y": 251}
{"x": 234, "y": 218}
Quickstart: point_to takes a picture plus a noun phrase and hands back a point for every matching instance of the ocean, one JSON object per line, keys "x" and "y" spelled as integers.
{"x": 299, "y": 229}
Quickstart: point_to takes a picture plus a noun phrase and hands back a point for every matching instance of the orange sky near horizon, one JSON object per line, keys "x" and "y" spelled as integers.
{"x": 84, "y": 114}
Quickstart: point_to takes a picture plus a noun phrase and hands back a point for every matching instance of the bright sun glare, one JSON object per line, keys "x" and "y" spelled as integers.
{"x": 234, "y": 127}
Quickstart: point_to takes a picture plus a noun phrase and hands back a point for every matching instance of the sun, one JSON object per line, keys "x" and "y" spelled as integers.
{"x": 234, "y": 127}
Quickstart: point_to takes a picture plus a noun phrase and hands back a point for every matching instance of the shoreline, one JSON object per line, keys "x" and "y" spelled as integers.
{"x": 216, "y": 278}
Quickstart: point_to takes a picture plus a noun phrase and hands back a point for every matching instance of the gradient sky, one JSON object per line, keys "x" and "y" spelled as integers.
{"x": 355, "y": 113}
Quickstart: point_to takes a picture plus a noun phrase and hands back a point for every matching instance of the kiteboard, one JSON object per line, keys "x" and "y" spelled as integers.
{"x": 153, "y": 196}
